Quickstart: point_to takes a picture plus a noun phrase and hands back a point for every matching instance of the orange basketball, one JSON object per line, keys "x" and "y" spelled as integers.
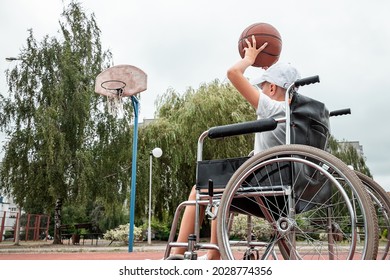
{"x": 263, "y": 32}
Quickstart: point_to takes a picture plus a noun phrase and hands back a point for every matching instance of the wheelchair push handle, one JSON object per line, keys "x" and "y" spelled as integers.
{"x": 307, "y": 81}
{"x": 335, "y": 113}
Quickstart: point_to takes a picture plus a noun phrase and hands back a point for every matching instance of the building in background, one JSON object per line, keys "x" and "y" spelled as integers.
{"x": 355, "y": 144}
{"x": 8, "y": 214}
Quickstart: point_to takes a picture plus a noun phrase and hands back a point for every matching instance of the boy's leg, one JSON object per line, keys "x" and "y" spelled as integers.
{"x": 187, "y": 225}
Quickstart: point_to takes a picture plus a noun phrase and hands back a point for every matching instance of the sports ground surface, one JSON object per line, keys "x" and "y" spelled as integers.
{"x": 45, "y": 250}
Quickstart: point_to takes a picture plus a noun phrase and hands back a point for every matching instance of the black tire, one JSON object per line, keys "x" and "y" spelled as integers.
{"x": 381, "y": 201}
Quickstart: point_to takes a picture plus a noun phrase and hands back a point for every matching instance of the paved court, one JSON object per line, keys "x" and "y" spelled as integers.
{"x": 83, "y": 256}
{"x": 45, "y": 250}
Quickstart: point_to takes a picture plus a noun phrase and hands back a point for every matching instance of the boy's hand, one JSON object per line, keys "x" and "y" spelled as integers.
{"x": 251, "y": 52}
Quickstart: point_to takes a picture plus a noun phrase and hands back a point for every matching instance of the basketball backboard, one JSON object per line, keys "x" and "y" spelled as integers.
{"x": 124, "y": 80}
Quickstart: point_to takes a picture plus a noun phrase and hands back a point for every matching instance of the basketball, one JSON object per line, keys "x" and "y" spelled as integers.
{"x": 263, "y": 32}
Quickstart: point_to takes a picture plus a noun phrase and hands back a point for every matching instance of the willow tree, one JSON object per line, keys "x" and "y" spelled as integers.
{"x": 50, "y": 116}
{"x": 180, "y": 120}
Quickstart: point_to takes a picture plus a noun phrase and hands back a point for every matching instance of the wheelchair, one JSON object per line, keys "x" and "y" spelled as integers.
{"x": 294, "y": 201}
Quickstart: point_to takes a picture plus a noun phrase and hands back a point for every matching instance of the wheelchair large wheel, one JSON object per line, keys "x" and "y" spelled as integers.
{"x": 382, "y": 206}
{"x": 302, "y": 203}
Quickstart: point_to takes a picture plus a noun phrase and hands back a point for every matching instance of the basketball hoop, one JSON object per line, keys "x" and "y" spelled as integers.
{"x": 117, "y": 82}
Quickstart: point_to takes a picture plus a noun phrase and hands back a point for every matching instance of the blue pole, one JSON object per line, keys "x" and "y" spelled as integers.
{"x": 135, "y": 103}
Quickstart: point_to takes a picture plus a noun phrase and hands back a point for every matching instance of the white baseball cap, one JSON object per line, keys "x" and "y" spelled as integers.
{"x": 280, "y": 74}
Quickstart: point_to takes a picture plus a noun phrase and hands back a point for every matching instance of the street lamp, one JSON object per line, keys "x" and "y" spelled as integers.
{"x": 156, "y": 152}
{"x": 17, "y": 237}
{"x": 9, "y": 59}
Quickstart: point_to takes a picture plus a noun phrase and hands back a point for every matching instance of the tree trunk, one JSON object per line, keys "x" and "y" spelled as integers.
{"x": 75, "y": 239}
{"x": 57, "y": 222}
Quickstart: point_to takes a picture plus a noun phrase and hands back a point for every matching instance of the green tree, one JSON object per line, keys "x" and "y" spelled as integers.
{"x": 51, "y": 115}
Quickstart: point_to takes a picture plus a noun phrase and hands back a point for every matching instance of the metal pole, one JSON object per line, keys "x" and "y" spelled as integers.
{"x": 2, "y": 225}
{"x": 150, "y": 200}
{"x": 135, "y": 103}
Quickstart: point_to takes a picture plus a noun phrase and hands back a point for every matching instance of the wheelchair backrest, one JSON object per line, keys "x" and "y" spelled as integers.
{"x": 309, "y": 126}
{"x": 309, "y": 122}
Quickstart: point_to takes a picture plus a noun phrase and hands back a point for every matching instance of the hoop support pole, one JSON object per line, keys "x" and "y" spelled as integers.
{"x": 135, "y": 103}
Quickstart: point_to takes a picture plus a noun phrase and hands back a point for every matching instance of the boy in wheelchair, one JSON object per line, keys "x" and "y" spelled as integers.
{"x": 268, "y": 99}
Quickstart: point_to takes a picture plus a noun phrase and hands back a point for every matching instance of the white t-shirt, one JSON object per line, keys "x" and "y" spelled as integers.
{"x": 267, "y": 108}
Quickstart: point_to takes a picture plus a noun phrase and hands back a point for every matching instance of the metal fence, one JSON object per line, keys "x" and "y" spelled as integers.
{"x": 33, "y": 227}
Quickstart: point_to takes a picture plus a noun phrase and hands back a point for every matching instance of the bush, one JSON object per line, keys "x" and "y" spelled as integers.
{"x": 121, "y": 234}
{"x": 161, "y": 230}
{"x": 262, "y": 230}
